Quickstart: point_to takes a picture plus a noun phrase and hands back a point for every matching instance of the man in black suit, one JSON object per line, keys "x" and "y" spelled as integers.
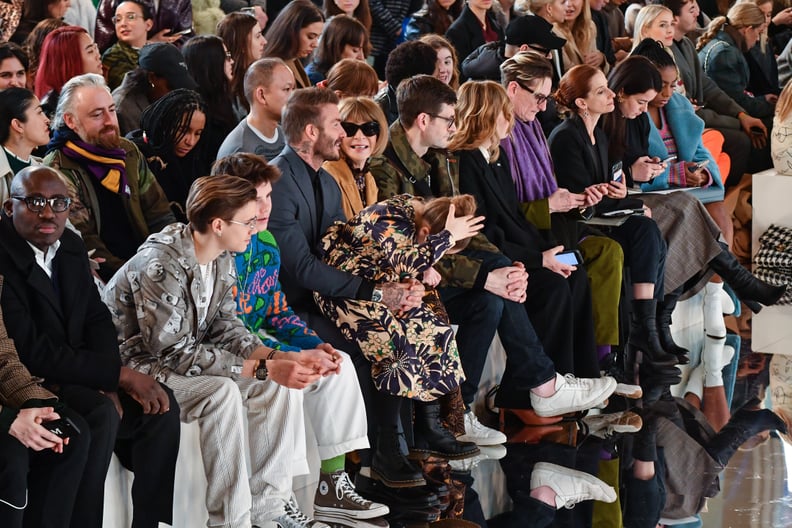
{"x": 64, "y": 334}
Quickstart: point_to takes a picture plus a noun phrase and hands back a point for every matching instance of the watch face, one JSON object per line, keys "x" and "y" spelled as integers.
{"x": 261, "y": 372}
{"x": 376, "y": 296}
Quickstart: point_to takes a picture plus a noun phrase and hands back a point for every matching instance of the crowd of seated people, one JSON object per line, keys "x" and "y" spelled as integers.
{"x": 326, "y": 214}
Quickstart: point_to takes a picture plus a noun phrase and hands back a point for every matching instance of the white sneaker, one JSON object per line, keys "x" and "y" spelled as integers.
{"x": 573, "y": 394}
{"x": 494, "y": 452}
{"x": 571, "y": 486}
{"x": 632, "y": 392}
{"x": 480, "y": 434}
{"x": 606, "y": 425}
{"x": 294, "y": 518}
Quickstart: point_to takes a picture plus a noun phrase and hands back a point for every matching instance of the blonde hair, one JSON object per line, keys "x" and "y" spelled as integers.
{"x": 742, "y": 15}
{"x": 763, "y": 36}
{"x": 646, "y": 17}
{"x": 784, "y": 104}
{"x": 582, "y": 29}
{"x": 365, "y": 109}
{"x": 480, "y": 104}
{"x": 437, "y": 43}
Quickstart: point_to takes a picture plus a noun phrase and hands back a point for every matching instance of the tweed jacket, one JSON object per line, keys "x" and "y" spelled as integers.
{"x": 154, "y": 301}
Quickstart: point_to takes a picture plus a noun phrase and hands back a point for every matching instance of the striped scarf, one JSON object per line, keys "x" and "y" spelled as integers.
{"x": 108, "y": 166}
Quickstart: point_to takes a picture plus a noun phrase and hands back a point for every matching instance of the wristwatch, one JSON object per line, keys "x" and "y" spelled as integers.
{"x": 376, "y": 295}
{"x": 261, "y": 370}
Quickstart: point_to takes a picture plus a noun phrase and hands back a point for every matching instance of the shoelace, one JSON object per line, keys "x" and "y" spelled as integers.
{"x": 570, "y": 379}
{"x": 293, "y": 512}
{"x": 344, "y": 487}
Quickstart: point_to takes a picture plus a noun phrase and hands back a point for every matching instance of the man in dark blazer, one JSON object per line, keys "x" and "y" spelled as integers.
{"x": 64, "y": 334}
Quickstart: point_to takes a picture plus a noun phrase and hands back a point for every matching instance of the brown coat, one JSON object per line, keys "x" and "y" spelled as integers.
{"x": 350, "y": 197}
{"x": 17, "y": 385}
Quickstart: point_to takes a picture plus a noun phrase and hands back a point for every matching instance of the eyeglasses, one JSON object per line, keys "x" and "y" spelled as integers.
{"x": 540, "y": 97}
{"x": 129, "y": 17}
{"x": 251, "y": 224}
{"x": 229, "y": 58}
{"x": 36, "y": 204}
{"x": 449, "y": 120}
{"x": 369, "y": 129}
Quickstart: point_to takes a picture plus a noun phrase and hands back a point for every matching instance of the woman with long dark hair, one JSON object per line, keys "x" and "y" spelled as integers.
{"x": 343, "y": 38}
{"x": 210, "y": 64}
{"x": 23, "y": 128}
{"x": 294, "y": 35}
{"x": 357, "y": 9}
{"x": 242, "y": 35}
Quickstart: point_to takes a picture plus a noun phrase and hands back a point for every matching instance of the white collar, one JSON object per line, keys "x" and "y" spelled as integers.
{"x": 44, "y": 259}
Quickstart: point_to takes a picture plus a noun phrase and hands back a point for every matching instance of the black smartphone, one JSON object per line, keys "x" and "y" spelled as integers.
{"x": 756, "y": 131}
{"x": 571, "y": 258}
{"x": 62, "y": 427}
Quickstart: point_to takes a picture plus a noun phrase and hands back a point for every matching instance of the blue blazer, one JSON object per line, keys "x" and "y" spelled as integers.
{"x": 687, "y": 129}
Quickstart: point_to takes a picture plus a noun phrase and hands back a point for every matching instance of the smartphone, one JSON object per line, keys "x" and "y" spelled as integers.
{"x": 617, "y": 174}
{"x": 63, "y": 427}
{"x": 182, "y": 32}
{"x": 669, "y": 159}
{"x": 571, "y": 258}
{"x": 700, "y": 165}
{"x": 621, "y": 212}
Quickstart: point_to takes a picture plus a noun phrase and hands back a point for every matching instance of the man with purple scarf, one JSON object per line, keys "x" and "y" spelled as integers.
{"x": 116, "y": 200}
{"x": 527, "y": 79}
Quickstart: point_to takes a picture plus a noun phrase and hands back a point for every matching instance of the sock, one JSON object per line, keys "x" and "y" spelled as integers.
{"x": 332, "y": 465}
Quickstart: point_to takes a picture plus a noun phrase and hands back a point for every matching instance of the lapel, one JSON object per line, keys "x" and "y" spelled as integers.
{"x": 301, "y": 180}
{"x": 492, "y": 180}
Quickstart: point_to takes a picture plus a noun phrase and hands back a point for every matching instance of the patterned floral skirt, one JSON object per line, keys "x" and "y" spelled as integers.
{"x": 413, "y": 355}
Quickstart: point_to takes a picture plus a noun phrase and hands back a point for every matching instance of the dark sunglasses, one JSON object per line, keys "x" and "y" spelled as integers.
{"x": 369, "y": 129}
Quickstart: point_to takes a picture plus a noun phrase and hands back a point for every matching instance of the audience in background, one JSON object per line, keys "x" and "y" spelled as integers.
{"x": 357, "y": 9}
{"x": 476, "y": 25}
{"x": 23, "y": 128}
{"x": 436, "y": 16}
{"x": 173, "y": 22}
{"x": 294, "y": 35}
{"x": 351, "y": 78}
{"x": 67, "y": 52}
{"x": 343, "y": 38}
{"x": 13, "y": 66}
{"x": 244, "y": 40}
{"x": 132, "y": 25}
{"x": 35, "y": 41}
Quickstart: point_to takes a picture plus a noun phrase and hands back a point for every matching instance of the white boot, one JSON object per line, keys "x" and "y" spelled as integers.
{"x": 713, "y": 310}
{"x": 715, "y": 356}
{"x": 695, "y": 382}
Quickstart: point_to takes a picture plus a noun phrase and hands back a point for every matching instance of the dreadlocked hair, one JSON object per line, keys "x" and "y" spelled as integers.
{"x": 166, "y": 121}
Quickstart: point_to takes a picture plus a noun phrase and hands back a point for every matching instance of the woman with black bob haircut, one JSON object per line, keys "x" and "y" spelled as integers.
{"x": 294, "y": 35}
{"x": 170, "y": 130}
{"x": 209, "y": 65}
{"x": 343, "y": 38}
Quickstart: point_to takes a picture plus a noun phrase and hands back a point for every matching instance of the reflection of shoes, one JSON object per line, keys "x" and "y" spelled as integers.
{"x": 495, "y": 452}
{"x": 337, "y": 501}
{"x": 397, "y": 498}
{"x": 606, "y": 425}
{"x": 294, "y": 518}
{"x": 632, "y": 392}
{"x": 571, "y": 486}
{"x": 480, "y": 434}
{"x": 573, "y": 394}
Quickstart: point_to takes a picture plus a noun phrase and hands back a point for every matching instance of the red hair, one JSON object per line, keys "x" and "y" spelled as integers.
{"x": 576, "y": 83}
{"x": 61, "y": 59}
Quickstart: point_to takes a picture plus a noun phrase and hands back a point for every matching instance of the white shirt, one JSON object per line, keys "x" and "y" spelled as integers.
{"x": 44, "y": 258}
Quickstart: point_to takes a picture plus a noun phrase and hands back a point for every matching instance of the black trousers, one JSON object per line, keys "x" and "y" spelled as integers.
{"x": 644, "y": 251}
{"x": 38, "y": 488}
{"x": 147, "y": 445}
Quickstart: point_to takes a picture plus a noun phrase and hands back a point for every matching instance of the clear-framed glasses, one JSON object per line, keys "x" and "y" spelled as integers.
{"x": 228, "y": 56}
{"x": 129, "y": 17}
{"x": 540, "y": 97}
{"x": 36, "y": 204}
{"x": 449, "y": 120}
{"x": 251, "y": 224}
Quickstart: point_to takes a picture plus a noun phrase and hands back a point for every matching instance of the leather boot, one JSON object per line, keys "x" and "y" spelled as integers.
{"x": 416, "y": 497}
{"x": 389, "y": 463}
{"x": 643, "y": 333}
{"x": 748, "y": 288}
{"x": 431, "y": 437}
{"x": 664, "y": 311}
{"x": 742, "y": 426}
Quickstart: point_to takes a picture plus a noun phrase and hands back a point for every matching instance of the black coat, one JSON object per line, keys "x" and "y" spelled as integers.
{"x": 62, "y": 329}
{"x": 505, "y": 226}
{"x": 575, "y": 166}
{"x": 466, "y": 33}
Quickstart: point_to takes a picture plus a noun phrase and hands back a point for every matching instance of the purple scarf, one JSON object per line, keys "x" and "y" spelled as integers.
{"x": 107, "y": 166}
{"x": 529, "y": 160}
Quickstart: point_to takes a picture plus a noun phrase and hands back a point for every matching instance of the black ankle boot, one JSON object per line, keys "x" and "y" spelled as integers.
{"x": 664, "y": 311}
{"x": 747, "y": 287}
{"x": 390, "y": 463}
{"x": 432, "y": 438}
{"x": 742, "y": 426}
{"x": 643, "y": 333}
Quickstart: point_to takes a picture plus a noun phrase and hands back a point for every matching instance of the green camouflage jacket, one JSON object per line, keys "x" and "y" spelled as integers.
{"x": 399, "y": 170}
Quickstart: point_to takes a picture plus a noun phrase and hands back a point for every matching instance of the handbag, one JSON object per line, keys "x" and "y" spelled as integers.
{"x": 774, "y": 259}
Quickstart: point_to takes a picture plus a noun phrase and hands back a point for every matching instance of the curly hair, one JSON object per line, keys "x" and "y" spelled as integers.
{"x": 167, "y": 120}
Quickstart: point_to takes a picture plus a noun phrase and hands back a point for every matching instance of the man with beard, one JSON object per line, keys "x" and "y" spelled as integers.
{"x": 116, "y": 200}
{"x": 65, "y": 337}
{"x": 268, "y": 83}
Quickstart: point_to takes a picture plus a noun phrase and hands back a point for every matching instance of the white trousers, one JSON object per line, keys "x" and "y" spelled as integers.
{"x": 275, "y": 433}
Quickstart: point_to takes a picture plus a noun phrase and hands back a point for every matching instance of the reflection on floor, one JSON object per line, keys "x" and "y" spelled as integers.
{"x": 755, "y": 487}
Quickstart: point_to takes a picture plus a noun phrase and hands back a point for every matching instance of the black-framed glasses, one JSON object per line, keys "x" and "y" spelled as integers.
{"x": 36, "y": 204}
{"x": 251, "y": 224}
{"x": 370, "y": 129}
{"x": 449, "y": 120}
{"x": 540, "y": 97}
{"x": 129, "y": 17}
